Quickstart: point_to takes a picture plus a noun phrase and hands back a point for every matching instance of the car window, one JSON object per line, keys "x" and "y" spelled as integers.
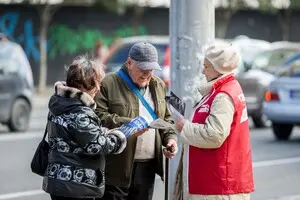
{"x": 279, "y": 57}
{"x": 23, "y": 64}
{"x": 271, "y": 60}
{"x": 120, "y": 55}
{"x": 295, "y": 69}
{"x": 262, "y": 60}
{"x": 292, "y": 59}
{"x": 13, "y": 59}
{"x": 8, "y": 66}
{"x": 292, "y": 70}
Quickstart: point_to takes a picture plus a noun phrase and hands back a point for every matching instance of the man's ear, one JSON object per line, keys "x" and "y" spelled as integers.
{"x": 128, "y": 62}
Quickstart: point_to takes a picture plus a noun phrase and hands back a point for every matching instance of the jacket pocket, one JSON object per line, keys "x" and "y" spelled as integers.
{"x": 119, "y": 107}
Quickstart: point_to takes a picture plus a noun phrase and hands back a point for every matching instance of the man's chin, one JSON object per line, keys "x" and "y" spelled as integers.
{"x": 144, "y": 84}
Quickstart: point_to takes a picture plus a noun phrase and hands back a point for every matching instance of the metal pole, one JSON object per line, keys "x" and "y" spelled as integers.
{"x": 192, "y": 27}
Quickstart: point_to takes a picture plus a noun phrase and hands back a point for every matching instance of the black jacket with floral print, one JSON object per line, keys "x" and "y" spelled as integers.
{"x": 78, "y": 145}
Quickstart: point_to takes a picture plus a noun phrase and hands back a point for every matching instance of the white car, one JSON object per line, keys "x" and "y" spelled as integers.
{"x": 282, "y": 100}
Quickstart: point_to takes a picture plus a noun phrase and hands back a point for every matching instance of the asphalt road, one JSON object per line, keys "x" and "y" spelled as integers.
{"x": 276, "y": 164}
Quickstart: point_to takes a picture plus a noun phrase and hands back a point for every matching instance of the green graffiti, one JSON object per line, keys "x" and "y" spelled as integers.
{"x": 64, "y": 40}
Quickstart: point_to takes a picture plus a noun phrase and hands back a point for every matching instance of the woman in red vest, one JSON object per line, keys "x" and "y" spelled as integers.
{"x": 220, "y": 160}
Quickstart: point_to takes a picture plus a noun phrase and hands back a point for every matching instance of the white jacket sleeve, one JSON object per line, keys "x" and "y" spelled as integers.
{"x": 217, "y": 125}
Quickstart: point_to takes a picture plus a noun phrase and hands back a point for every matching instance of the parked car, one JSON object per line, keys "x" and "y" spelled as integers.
{"x": 270, "y": 60}
{"x": 16, "y": 87}
{"x": 282, "y": 99}
{"x": 249, "y": 47}
{"x": 262, "y": 71}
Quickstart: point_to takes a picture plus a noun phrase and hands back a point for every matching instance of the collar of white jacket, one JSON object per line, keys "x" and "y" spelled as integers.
{"x": 205, "y": 88}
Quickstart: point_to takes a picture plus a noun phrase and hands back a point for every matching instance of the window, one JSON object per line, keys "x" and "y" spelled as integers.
{"x": 279, "y": 57}
{"x": 262, "y": 60}
{"x": 10, "y": 55}
{"x": 8, "y": 66}
{"x": 292, "y": 70}
{"x": 120, "y": 55}
{"x": 272, "y": 60}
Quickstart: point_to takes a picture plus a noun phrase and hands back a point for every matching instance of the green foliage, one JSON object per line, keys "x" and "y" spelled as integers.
{"x": 265, "y": 5}
{"x": 268, "y": 5}
{"x": 115, "y": 6}
{"x": 295, "y": 4}
{"x": 64, "y": 40}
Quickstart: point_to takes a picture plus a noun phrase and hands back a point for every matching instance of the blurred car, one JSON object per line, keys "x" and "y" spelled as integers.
{"x": 250, "y": 47}
{"x": 282, "y": 99}
{"x": 270, "y": 60}
{"x": 16, "y": 86}
{"x": 262, "y": 71}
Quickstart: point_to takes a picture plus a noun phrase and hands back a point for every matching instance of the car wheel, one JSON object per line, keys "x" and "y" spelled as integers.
{"x": 20, "y": 114}
{"x": 260, "y": 121}
{"x": 282, "y": 131}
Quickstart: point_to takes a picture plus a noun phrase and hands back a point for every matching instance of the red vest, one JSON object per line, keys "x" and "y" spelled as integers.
{"x": 228, "y": 169}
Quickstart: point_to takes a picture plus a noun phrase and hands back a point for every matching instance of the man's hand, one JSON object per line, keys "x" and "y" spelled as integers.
{"x": 179, "y": 125}
{"x": 138, "y": 133}
{"x": 132, "y": 131}
{"x": 136, "y": 127}
{"x": 171, "y": 149}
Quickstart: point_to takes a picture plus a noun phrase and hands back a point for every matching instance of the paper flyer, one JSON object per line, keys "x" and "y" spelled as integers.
{"x": 176, "y": 106}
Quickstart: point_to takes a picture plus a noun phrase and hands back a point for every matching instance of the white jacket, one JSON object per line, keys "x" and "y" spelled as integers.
{"x": 216, "y": 129}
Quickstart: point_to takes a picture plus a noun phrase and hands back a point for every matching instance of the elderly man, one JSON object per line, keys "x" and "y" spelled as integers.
{"x": 131, "y": 175}
{"x": 220, "y": 162}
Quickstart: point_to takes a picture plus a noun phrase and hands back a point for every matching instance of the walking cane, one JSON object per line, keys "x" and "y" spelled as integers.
{"x": 170, "y": 149}
{"x": 167, "y": 179}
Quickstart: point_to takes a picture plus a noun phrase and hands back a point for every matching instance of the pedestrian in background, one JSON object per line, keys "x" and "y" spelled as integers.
{"x": 131, "y": 174}
{"x": 220, "y": 160}
{"x": 76, "y": 138}
{"x": 100, "y": 50}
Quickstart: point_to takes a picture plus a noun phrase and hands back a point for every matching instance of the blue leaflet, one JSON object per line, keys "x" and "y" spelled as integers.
{"x": 127, "y": 130}
{"x": 137, "y": 124}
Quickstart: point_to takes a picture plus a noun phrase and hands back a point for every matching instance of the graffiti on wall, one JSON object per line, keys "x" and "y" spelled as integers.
{"x": 62, "y": 39}
{"x": 9, "y": 22}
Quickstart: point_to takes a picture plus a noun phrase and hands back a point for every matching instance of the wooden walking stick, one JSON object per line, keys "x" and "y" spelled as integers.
{"x": 167, "y": 179}
{"x": 170, "y": 149}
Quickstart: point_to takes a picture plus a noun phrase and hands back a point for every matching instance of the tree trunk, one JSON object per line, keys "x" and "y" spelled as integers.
{"x": 138, "y": 13}
{"x": 284, "y": 21}
{"x": 45, "y": 17}
{"x": 223, "y": 17}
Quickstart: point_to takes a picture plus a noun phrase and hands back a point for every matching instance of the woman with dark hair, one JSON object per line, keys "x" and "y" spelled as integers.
{"x": 77, "y": 141}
